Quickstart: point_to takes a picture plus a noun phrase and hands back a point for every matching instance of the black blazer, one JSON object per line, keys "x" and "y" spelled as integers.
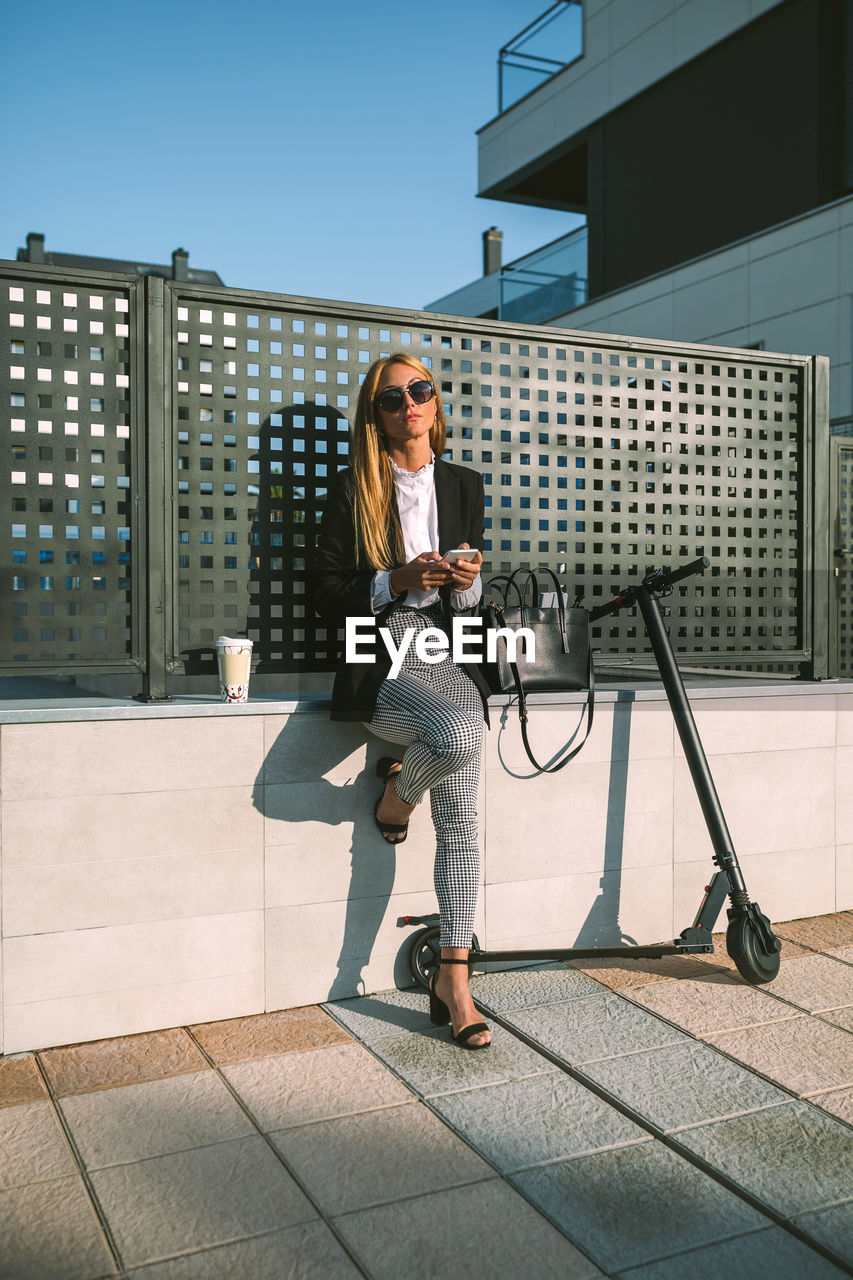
{"x": 339, "y": 590}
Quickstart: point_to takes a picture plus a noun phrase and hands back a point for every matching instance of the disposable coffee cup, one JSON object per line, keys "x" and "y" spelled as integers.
{"x": 235, "y": 665}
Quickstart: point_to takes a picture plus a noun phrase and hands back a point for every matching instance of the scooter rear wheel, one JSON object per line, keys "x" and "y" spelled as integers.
{"x": 744, "y": 945}
{"x": 425, "y": 953}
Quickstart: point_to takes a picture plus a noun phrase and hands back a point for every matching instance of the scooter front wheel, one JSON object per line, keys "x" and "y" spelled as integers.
{"x": 754, "y": 962}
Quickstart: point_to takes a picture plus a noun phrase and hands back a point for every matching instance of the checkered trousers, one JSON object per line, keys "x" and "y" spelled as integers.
{"x": 435, "y": 710}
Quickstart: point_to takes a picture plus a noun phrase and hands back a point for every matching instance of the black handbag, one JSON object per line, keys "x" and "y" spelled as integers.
{"x": 563, "y": 656}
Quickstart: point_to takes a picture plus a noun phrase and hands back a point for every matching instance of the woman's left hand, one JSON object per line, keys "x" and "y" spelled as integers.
{"x": 465, "y": 572}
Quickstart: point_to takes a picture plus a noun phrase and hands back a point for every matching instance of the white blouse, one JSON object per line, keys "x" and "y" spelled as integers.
{"x": 418, "y": 510}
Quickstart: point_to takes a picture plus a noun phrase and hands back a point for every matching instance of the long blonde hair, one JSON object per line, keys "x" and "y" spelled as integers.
{"x": 372, "y": 481}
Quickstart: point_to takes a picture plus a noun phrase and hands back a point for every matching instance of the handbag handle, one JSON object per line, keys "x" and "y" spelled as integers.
{"x": 521, "y": 592}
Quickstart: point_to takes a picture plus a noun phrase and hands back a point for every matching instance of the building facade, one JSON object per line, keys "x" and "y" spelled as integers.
{"x": 710, "y": 147}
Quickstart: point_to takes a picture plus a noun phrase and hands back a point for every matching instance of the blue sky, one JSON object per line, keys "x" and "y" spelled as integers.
{"x": 323, "y": 148}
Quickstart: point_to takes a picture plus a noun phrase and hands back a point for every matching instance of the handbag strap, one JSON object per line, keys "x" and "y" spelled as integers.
{"x": 589, "y": 711}
{"x": 589, "y": 708}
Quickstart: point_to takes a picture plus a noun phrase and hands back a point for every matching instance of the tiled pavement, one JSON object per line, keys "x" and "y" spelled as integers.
{"x": 629, "y": 1120}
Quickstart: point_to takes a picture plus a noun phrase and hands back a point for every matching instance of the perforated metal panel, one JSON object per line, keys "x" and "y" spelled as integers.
{"x": 66, "y": 511}
{"x": 604, "y": 458}
{"x": 170, "y": 447}
{"x": 842, "y": 485}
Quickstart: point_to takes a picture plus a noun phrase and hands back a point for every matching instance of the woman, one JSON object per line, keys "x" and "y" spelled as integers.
{"x": 379, "y": 555}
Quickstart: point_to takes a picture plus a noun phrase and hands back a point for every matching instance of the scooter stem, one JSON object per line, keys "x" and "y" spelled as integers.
{"x": 724, "y": 853}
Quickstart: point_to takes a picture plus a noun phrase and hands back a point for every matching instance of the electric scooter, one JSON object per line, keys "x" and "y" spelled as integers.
{"x": 750, "y": 940}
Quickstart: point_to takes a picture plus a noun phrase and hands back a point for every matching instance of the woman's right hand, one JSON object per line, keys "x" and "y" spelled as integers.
{"x": 427, "y": 572}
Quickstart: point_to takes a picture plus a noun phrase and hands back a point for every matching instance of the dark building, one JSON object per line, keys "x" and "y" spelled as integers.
{"x": 710, "y": 148}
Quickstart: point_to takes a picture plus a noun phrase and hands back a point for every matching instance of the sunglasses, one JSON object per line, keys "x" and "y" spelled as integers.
{"x": 393, "y": 399}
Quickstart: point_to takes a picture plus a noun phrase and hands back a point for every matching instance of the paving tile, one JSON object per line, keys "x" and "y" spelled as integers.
{"x": 792, "y": 1158}
{"x": 50, "y": 1232}
{"x": 265, "y": 1034}
{"x": 815, "y": 983}
{"x": 104, "y": 1064}
{"x": 620, "y": 975}
{"x": 716, "y": 1002}
{"x": 842, "y": 953}
{"x": 432, "y": 1064}
{"x": 383, "y": 1014}
{"x": 306, "y": 1252}
{"x": 805, "y": 1055}
{"x": 32, "y": 1145}
{"x": 359, "y": 1161}
{"x": 838, "y": 1102}
{"x": 761, "y": 1255}
{"x": 482, "y": 1232}
{"x": 599, "y": 1027}
{"x": 683, "y": 1084}
{"x": 526, "y": 1122}
{"x": 296, "y": 1089}
{"x": 819, "y": 933}
{"x": 520, "y": 988}
{"x": 195, "y": 1199}
{"x": 839, "y": 1017}
{"x": 118, "y": 1126}
{"x": 629, "y": 1206}
{"x": 832, "y": 1227}
{"x": 20, "y": 1081}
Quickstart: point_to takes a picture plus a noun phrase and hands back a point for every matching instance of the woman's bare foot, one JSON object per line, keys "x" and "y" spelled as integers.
{"x": 451, "y": 986}
{"x": 393, "y": 810}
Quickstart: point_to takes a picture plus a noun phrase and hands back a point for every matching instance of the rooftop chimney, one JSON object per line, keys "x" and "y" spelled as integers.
{"x": 35, "y": 247}
{"x": 492, "y": 243}
{"x": 180, "y": 264}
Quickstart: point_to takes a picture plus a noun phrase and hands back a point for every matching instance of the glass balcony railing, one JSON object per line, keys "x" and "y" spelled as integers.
{"x": 543, "y": 48}
{"x": 547, "y": 282}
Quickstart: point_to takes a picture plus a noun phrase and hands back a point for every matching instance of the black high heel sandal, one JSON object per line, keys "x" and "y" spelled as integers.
{"x": 385, "y": 770}
{"x": 439, "y": 1015}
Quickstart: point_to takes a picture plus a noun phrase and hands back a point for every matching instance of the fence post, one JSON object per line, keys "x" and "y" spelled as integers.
{"x": 820, "y": 566}
{"x": 156, "y": 492}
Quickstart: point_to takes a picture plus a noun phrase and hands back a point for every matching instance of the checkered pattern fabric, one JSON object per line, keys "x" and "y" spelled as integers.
{"x": 435, "y": 710}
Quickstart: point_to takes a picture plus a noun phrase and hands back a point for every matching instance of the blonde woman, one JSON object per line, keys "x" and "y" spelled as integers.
{"x": 389, "y": 517}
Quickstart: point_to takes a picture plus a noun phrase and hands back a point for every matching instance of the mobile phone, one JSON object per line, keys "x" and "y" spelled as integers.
{"x": 459, "y": 553}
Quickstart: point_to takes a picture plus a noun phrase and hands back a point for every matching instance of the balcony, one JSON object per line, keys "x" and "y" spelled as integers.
{"x": 533, "y": 289}
{"x": 527, "y": 61}
{"x": 546, "y": 283}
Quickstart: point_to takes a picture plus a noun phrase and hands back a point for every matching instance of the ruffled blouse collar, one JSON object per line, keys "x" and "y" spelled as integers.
{"x": 414, "y": 479}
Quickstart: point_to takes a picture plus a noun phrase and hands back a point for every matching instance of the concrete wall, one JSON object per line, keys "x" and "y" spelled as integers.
{"x": 169, "y": 865}
{"x": 790, "y": 288}
{"x": 628, "y": 45}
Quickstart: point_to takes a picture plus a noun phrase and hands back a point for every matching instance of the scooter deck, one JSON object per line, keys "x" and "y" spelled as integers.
{"x": 624, "y": 952}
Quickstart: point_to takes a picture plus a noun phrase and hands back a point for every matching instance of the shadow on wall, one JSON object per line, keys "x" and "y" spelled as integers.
{"x": 330, "y": 877}
{"x": 325, "y": 858}
{"x": 299, "y": 450}
{"x": 601, "y": 927}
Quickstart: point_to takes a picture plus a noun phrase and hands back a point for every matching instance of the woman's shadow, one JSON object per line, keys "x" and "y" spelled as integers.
{"x": 319, "y": 776}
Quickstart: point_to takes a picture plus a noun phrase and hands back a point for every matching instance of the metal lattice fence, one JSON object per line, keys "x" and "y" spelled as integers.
{"x": 70, "y": 420}
{"x": 197, "y": 429}
{"x": 842, "y": 553}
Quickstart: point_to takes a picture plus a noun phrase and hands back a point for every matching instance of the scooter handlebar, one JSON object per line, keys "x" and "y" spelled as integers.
{"x": 657, "y": 581}
{"x": 675, "y": 575}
